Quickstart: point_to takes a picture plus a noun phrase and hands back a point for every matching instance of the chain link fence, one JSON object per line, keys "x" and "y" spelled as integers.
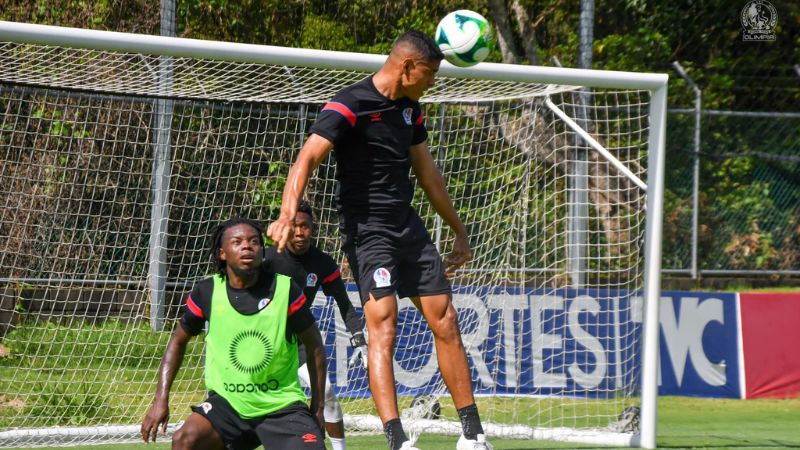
{"x": 732, "y": 205}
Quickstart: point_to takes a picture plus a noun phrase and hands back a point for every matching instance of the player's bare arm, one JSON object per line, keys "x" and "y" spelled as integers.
{"x": 432, "y": 183}
{"x": 158, "y": 413}
{"x": 314, "y": 151}
{"x": 317, "y": 368}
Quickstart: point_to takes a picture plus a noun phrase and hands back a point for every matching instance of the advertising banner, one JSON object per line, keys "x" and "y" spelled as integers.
{"x": 699, "y": 345}
{"x": 771, "y": 344}
{"x": 558, "y": 342}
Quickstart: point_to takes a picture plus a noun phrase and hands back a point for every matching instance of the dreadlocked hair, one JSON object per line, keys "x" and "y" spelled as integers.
{"x": 219, "y": 232}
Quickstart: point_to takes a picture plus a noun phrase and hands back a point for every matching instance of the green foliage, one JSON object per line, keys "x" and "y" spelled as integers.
{"x": 323, "y": 32}
{"x": 642, "y": 35}
{"x": 136, "y": 16}
{"x": 633, "y": 51}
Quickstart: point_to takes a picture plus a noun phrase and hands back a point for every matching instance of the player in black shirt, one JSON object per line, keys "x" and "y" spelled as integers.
{"x": 250, "y": 289}
{"x": 376, "y": 129}
{"x": 311, "y": 268}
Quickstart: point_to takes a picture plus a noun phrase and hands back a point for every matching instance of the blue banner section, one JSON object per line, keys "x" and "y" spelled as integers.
{"x": 556, "y": 342}
{"x": 699, "y": 345}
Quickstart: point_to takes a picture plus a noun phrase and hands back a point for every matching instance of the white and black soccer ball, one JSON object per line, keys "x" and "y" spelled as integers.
{"x": 465, "y": 37}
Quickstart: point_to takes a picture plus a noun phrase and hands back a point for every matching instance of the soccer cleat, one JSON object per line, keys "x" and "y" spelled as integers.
{"x": 408, "y": 445}
{"x": 479, "y": 443}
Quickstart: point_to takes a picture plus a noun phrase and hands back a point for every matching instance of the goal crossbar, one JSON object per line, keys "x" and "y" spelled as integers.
{"x": 267, "y": 54}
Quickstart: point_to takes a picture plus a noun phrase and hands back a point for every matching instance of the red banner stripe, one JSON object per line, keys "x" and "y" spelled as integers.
{"x": 770, "y": 335}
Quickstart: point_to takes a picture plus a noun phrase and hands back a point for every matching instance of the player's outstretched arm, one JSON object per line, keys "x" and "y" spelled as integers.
{"x": 158, "y": 413}
{"x": 317, "y": 368}
{"x": 432, "y": 182}
{"x": 312, "y": 154}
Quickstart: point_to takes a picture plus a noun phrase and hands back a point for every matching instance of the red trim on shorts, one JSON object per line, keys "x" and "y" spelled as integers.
{"x": 193, "y": 307}
{"x": 332, "y": 276}
{"x": 297, "y": 303}
{"x": 343, "y": 110}
{"x": 420, "y": 119}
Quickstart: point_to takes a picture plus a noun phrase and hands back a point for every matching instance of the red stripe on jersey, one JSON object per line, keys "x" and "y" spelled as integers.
{"x": 193, "y": 307}
{"x": 297, "y": 303}
{"x": 343, "y": 110}
{"x": 420, "y": 119}
{"x": 332, "y": 276}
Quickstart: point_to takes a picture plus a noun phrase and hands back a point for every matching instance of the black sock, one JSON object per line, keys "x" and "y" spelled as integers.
{"x": 470, "y": 421}
{"x": 393, "y": 430}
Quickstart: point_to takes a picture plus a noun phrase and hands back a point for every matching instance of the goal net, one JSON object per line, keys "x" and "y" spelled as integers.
{"x": 119, "y": 153}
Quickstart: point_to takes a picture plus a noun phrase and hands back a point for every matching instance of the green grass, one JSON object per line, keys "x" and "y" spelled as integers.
{"x": 77, "y": 374}
{"x": 683, "y": 422}
{"x": 106, "y": 374}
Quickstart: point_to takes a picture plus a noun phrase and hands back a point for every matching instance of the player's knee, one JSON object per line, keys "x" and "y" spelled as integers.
{"x": 184, "y": 439}
{"x": 446, "y": 327}
{"x": 384, "y": 334}
{"x": 333, "y": 410}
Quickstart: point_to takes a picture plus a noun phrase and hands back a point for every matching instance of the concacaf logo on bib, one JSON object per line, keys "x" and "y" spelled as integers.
{"x": 407, "y": 115}
{"x": 311, "y": 280}
{"x": 382, "y": 277}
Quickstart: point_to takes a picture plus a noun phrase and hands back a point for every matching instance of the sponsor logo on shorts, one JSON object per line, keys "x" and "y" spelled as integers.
{"x": 270, "y": 385}
{"x": 382, "y": 277}
{"x": 263, "y": 303}
{"x": 206, "y": 407}
{"x": 407, "y": 115}
{"x": 309, "y": 438}
{"x": 311, "y": 280}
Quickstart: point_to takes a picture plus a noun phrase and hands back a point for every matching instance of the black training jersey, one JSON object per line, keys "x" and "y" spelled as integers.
{"x": 372, "y": 136}
{"x": 313, "y": 270}
{"x": 197, "y": 309}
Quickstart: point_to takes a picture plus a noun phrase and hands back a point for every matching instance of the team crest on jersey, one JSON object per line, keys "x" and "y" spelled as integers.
{"x": 206, "y": 407}
{"x": 311, "y": 280}
{"x": 382, "y": 277}
{"x": 263, "y": 303}
{"x": 407, "y": 115}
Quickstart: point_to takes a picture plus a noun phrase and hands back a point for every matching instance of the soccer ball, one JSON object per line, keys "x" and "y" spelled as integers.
{"x": 464, "y": 37}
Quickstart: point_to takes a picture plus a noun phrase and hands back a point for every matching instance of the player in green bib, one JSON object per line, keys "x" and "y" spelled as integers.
{"x": 255, "y": 319}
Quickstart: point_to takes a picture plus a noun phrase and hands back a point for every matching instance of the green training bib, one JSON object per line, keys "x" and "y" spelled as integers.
{"x": 249, "y": 361}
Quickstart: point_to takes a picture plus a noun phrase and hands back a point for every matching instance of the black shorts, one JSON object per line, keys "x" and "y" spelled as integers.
{"x": 290, "y": 428}
{"x": 389, "y": 259}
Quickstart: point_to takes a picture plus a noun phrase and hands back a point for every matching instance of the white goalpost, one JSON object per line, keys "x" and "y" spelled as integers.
{"x": 120, "y": 152}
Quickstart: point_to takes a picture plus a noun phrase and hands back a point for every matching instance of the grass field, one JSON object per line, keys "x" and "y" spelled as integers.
{"x": 683, "y": 422}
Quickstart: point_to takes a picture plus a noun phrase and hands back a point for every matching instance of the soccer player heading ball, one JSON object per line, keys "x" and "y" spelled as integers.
{"x": 377, "y": 130}
{"x": 254, "y": 320}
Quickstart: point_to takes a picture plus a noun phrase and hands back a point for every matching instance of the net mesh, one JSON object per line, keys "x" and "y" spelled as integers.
{"x": 549, "y": 307}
